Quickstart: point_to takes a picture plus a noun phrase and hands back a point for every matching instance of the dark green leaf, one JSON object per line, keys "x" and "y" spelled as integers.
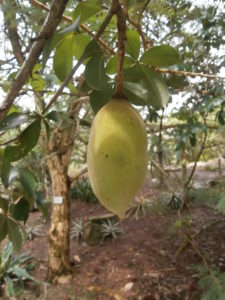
{"x": 221, "y": 118}
{"x": 63, "y": 57}
{"x": 52, "y": 115}
{"x": 111, "y": 67}
{"x": 161, "y": 56}
{"x": 42, "y": 204}
{"x": 85, "y": 88}
{"x": 13, "y": 120}
{"x": 47, "y": 129}
{"x": 92, "y": 49}
{"x": 86, "y": 10}
{"x": 14, "y": 234}
{"x": 28, "y": 183}
{"x": 136, "y": 93}
{"x": 27, "y": 140}
{"x": 133, "y": 43}
{"x": 3, "y": 226}
{"x": 50, "y": 45}
{"x": 158, "y": 90}
{"x": 132, "y": 74}
{"x": 95, "y": 73}
{"x": 20, "y": 210}
{"x": 192, "y": 139}
{"x": 177, "y": 82}
{"x": 99, "y": 98}
{"x": 4, "y": 203}
{"x": 5, "y": 168}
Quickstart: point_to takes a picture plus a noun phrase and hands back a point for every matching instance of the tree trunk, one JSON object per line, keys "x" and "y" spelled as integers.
{"x": 59, "y": 270}
{"x": 59, "y": 150}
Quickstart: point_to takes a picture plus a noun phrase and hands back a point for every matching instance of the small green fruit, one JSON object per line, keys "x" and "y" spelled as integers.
{"x": 117, "y": 155}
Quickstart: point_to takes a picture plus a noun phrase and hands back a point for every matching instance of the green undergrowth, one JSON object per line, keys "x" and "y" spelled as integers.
{"x": 212, "y": 197}
{"x": 211, "y": 281}
{"x": 82, "y": 191}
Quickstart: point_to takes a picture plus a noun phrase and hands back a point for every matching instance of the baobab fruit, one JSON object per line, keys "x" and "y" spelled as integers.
{"x": 117, "y": 155}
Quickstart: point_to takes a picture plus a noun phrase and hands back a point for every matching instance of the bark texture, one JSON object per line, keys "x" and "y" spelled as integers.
{"x": 59, "y": 149}
{"x": 54, "y": 16}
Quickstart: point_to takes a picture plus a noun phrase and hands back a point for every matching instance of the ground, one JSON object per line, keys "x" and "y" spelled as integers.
{"x": 149, "y": 260}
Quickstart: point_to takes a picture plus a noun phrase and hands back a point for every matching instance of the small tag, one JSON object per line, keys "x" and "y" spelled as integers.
{"x": 58, "y": 200}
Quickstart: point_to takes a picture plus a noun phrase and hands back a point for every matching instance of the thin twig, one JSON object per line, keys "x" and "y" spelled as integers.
{"x": 52, "y": 20}
{"x": 192, "y": 74}
{"x": 78, "y": 64}
{"x": 121, "y": 27}
{"x": 9, "y": 141}
{"x": 40, "y": 5}
{"x": 80, "y": 172}
{"x": 197, "y": 158}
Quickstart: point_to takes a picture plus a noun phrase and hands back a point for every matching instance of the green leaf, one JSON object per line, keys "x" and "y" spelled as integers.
{"x": 95, "y": 73}
{"x": 28, "y": 183}
{"x": 192, "y": 138}
{"x": 92, "y": 49}
{"x": 80, "y": 42}
{"x": 13, "y": 120}
{"x": 111, "y": 67}
{"x": 37, "y": 82}
{"x": 14, "y": 234}
{"x": 136, "y": 93}
{"x": 3, "y": 226}
{"x": 72, "y": 28}
{"x": 4, "y": 203}
{"x": 47, "y": 129}
{"x": 50, "y": 45}
{"x": 10, "y": 290}
{"x": 63, "y": 57}
{"x": 158, "y": 90}
{"x": 133, "y": 43}
{"x": 21, "y": 273}
{"x": 42, "y": 204}
{"x": 20, "y": 210}
{"x": 27, "y": 140}
{"x": 5, "y": 169}
{"x": 99, "y": 98}
{"x": 86, "y": 10}
{"x": 161, "y": 56}
{"x": 133, "y": 74}
{"x": 52, "y": 115}
{"x": 13, "y": 175}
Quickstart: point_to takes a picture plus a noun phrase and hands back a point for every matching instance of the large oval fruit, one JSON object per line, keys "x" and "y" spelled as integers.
{"x": 117, "y": 155}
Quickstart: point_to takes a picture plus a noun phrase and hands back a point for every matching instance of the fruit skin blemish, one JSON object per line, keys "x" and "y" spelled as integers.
{"x": 117, "y": 155}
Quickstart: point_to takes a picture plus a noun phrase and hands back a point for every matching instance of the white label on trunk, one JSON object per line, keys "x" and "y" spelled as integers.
{"x": 58, "y": 200}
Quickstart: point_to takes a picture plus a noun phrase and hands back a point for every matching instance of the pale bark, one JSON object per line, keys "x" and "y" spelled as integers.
{"x": 48, "y": 28}
{"x": 60, "y": 146}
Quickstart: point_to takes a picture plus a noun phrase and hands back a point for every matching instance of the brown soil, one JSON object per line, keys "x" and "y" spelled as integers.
{"x": 144, "y": 262}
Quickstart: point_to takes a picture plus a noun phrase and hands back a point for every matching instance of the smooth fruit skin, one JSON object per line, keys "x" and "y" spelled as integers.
{"x": 117, "y": 155}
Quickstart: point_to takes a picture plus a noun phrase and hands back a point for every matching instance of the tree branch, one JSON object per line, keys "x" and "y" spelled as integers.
{"x": 48, "y": 28}
{"x": 75, "y": 68}
{"x": 80, "y": 172}
{"x": 121, "y": 27}
{"x": 197, "y": 158}
{"x": 192, "y": 74}
{"x": 69, "y": 20}
{"x": 12, "y": 33}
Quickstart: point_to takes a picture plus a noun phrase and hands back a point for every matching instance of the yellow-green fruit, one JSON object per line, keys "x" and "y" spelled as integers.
{"x": 117, "y": 155}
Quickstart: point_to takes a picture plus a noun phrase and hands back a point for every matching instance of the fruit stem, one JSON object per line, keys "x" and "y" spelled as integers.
{"x": 121, "y": 26}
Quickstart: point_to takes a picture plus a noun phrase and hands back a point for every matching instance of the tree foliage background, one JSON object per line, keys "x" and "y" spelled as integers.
{"x": 174, "y": 58}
